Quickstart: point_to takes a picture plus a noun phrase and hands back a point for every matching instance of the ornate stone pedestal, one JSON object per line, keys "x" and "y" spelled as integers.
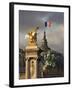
{"x": 31, "y": 62}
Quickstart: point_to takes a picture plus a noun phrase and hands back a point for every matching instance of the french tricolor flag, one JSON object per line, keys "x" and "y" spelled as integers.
{"x": 48, "y": 24}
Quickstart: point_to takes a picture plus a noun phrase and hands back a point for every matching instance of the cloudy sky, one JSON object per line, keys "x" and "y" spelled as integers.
{"x": 29, "y": 20}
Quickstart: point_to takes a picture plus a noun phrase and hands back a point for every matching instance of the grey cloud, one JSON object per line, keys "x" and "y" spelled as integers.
{"x": 29, "y": 19}
{"x": 32, "y": 19}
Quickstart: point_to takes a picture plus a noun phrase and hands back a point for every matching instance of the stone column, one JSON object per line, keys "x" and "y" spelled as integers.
{"x": 26, "y": 69}
{"x": 33, "y": 68}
